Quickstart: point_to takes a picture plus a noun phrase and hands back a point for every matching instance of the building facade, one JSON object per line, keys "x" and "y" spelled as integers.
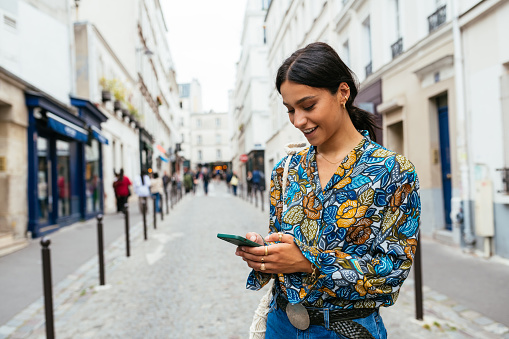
{"x": 250, "y": 110}
{"x": 209, "y": 141}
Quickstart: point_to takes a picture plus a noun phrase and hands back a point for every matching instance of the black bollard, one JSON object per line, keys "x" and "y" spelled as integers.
{"x": 47, "y": 286}
{"x": 100, "y": 248}
{"x": 166, "y": 200}
{"x": 261, "y": 198}
{"x": 419, "y": 313}
{"x": 155, "y": 212}
{"x": 126, "y": 214}
{"x": 144, "y": 211}
{"x": 161, "y": 206}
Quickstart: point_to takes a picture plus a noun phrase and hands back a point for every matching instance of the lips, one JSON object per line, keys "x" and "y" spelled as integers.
{"x": 309, "y": 130}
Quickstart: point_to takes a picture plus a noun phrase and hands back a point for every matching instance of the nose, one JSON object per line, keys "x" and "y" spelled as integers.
{"x": 299, "y": 119}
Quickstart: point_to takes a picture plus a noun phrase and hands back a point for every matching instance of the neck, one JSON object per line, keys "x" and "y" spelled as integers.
{"x": 342, "y": 142}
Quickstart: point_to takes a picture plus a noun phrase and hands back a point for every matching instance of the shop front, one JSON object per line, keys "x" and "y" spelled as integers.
{"x": 64, "y": 165}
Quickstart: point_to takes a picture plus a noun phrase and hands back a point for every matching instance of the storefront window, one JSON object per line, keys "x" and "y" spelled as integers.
{"x": 93, "y": 191}
{"x": 44, "y": 198}
{"x": 63, "y": 179}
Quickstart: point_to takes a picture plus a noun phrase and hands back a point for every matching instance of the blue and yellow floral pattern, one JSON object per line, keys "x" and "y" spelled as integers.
{"x": 361, "y": 230}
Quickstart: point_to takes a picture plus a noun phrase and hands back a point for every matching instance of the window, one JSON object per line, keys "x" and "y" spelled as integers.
{"x": 218, "y": 154}
{"x": 366, "y": 28}
{"x": 265, "y": 4}
{"x": 218, "y": 122}
{"x": 346, "y": 53}
{"x": 198, "y": 122}
{"x": 182, "y": 137}
{"x": 200, "y": 156}
{"x": 181, "y": 122}
{"x": 199, "y": 140}
{"x": 218, "y": 138}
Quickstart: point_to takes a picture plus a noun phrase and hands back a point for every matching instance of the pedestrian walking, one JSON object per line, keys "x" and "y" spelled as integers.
{"x": 157, "y": 190}
{"x": 188, "y": 180}
{"x": 234, "y": 181}
{"x": 344, "y": 211}
{"x": 205, "y": 177}
{"x": 142, "y": 189}
{"x": 122, "y": 191}
{"x": 166, "y": 182}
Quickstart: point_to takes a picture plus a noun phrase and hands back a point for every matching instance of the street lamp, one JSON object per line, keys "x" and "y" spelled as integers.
{"x": 145, "y": 50}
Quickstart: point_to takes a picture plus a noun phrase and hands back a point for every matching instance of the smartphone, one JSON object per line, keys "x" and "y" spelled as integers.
{"x": 237, "y": 240}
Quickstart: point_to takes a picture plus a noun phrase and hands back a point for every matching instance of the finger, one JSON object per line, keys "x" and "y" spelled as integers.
{"x": 254, "y": 237}
{"x": 260, "y": 250}
{"x": 255, "y": 258}
{"x": 286, "y": 238}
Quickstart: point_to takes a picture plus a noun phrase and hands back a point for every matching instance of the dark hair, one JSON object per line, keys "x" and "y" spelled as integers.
{"x": 143, "y": 174}
{"x": 318, "y": 65}
{"x": 121, "y": 175}
{"x": 156, "y": 175}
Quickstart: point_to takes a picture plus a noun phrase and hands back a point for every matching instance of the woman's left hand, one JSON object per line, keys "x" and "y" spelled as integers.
{"x": 283, "y": 257}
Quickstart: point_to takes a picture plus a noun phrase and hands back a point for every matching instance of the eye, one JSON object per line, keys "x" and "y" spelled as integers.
{"x": 309, "y": 108}
{"x": 291, "y": 111}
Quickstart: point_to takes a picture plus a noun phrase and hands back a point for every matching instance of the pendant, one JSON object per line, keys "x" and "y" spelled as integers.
{"x": 298, "y": 316}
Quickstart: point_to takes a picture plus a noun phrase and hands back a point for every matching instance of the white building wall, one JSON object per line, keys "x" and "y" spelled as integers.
{"x": 26, "y": 48}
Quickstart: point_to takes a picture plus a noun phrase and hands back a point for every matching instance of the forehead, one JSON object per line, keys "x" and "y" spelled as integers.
{"x": 293, "y": 92}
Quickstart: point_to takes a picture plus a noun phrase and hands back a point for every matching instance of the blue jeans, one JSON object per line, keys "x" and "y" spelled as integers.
{"x": 158, "y": 201}
{"x": 279, "y": 327}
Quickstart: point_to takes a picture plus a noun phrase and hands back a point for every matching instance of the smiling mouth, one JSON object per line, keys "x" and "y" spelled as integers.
{"x": 309, "y": 130}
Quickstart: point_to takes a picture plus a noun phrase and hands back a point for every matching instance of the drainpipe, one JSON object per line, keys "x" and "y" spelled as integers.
{"x": 72, "y": 52}
{"x": 462, "y": 130}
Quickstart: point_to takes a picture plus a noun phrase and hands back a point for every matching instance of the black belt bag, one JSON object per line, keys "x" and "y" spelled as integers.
{"x": 340, "y": 321}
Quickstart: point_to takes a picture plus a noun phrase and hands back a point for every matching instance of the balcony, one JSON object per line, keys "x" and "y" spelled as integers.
{"x": 369, "y": 69}
{"x": 397, "y": 48}
{"x": 436, "y": 19}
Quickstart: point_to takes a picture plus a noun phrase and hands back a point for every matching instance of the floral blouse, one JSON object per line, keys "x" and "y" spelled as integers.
{"x": 360, "y": 231}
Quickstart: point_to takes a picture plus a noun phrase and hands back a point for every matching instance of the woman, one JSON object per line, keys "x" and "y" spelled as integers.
{"x": 156, "y": 188}
{"x": 121, "y": 187}
{"x": 142, "y": 189}
{"x": 342, "y": 242}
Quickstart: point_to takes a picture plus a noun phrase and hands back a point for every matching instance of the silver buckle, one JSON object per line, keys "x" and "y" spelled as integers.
{"x": 298, "y": 316}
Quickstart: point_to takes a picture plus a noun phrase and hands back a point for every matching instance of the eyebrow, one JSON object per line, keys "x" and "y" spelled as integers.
{"x": 301, "y": 100}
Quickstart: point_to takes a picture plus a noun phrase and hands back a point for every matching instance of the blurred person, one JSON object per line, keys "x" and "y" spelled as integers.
{"x": 344, "y": 214}
{"x": 157, "y": 190}
{"x": 142, "y": 189}
{"x": 166, "y": 181}
{"x": 234, "y": 181}
{"x": 205, "y": 177}
{"x": 121, "y": 187}
{"x": 188, "y": 180}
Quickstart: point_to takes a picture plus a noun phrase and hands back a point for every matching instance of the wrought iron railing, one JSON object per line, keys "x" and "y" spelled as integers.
{"x": 397, "y": 48}
{"x": 369, "y": 69}
{"x": 437, "y": 18}
{"x": 505, "y": 180}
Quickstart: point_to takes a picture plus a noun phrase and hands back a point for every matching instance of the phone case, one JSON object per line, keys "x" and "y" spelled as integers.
{"x": 237, "y": 240}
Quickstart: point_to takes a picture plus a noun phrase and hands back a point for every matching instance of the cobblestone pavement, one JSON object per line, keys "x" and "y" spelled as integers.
{"x": 185, "y": 283}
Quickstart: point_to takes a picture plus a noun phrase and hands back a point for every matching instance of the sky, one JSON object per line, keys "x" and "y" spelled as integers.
{"x": 204, "y": 38}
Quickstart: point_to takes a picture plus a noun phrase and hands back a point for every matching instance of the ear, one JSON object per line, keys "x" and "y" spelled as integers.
{"x": 344, "y": 91}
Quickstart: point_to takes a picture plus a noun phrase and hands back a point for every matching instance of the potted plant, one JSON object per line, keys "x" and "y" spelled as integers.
{"x": 106, "y": 89}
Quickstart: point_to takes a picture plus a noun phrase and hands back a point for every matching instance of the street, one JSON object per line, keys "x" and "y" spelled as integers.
{"x": 185, "y": 283}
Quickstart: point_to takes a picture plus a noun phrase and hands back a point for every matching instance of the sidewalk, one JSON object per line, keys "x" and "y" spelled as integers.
{"x": 185, "y": 283}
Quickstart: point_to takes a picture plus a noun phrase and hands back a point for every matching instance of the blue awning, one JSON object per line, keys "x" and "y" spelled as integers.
{"x": 66, "y": 128}
{"x": 96, "y": 132}
{"x": 163, "y": 158}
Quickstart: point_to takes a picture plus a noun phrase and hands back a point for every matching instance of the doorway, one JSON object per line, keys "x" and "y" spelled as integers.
{"x": 445, "y": 157}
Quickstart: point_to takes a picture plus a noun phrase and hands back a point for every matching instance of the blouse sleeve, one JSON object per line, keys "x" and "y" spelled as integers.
{"x": 377, "y": 273}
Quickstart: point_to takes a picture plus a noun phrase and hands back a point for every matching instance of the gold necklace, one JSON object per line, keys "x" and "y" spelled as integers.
{"x": 330, "y": 162}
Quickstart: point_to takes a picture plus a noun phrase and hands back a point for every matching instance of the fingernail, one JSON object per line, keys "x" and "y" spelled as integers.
{"x": 267, "y": 238}
{"x": 253, "y": 238}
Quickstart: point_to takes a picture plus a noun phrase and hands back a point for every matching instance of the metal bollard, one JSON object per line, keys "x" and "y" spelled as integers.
{"x": 419, "y": 313}
{"x": 47, "y": 286}
{"x": 261, "y": 198}
{"x": 100, "y": 248}
{"x": 126, "y": 214}
{"x": 144, "y": 211}
{"x": 155, "y": 212}
{"x": 161, "y": 206}
{"x": 166, "y": 200}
